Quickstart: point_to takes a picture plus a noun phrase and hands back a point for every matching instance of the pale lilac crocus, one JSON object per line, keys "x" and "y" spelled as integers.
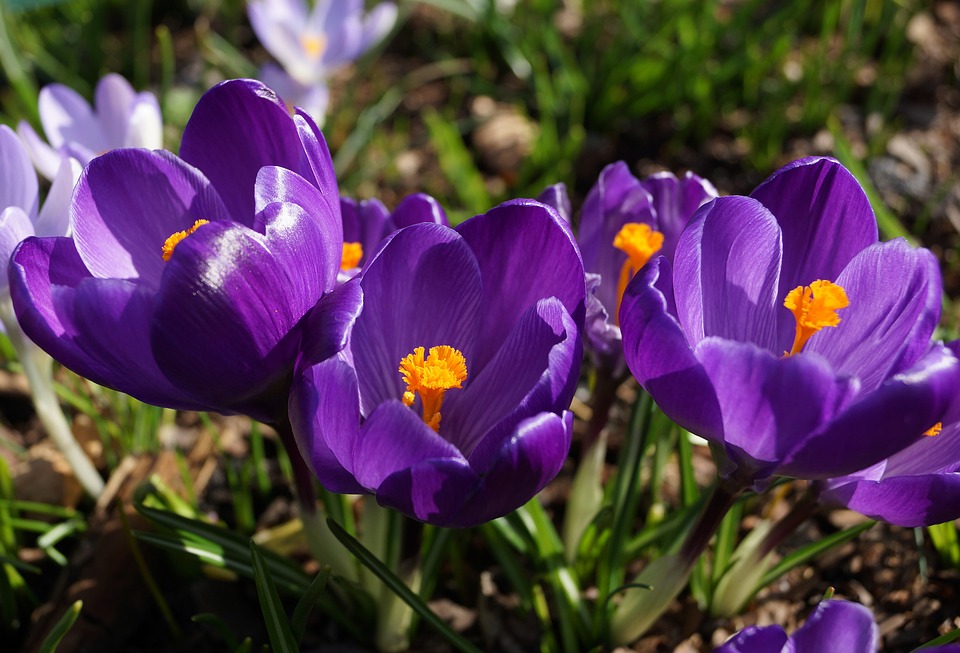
{"x": 120, "y": 117}
{"x": 312, "y": 43}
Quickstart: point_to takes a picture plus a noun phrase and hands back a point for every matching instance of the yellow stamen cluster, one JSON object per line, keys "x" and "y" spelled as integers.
{"x": 814, "y": 307}
{"x": 431, "y": 377}
{"x": 174, "y": 239}
{"x": 352, "y": 253}
{"x": 313, "y": 44}
{"x": 639, "y": 242}
{"x": 934, "y": 430}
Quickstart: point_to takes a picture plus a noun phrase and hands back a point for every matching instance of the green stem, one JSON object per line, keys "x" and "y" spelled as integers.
{"x": 38, "y": 367}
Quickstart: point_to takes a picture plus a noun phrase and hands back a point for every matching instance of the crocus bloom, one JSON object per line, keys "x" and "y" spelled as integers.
{"x": 448, "y": 401}
{"x": 834, "y": 626}
{"x": 185, "y": 286}
{"x": 918, "y": 486}
{"x": 366, "y": 223}
{"x": 624, "y": 222}
{"x": 311, "y": 44}
{"x": 722, "y": 338}
{"x": 121, "y": 118}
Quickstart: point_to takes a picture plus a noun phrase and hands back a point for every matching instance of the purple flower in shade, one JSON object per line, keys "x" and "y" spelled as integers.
{"x": 834, "y": 626}
{"x": 19, "y": 199}
{"x": 185, "y": 281}
{"x": 917, "y": 486}
{"x": 845, "y": 378}
{"x": 449, "y": 400}
{"x": 625, "y": 221}
{"x": 366, "y": 223}
{"x": 311, "y": 44}
{"x": 122, "y": 118}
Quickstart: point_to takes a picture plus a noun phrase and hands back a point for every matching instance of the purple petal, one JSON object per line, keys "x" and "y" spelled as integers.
{"x": 67, "y": 117}
{"x": 659, "y": 357}
{"x": 237, "y": 127}
{"x": 44, "y": 157}
{"x": 392, "y": 439}
{"x": 15, "y": 225}
{"x": 837, "y": 626}
{"x": 908, "y": 501}
{"x": 526, "y": 253}
{"x": 422, "y": 289}
{"x": 535, "y": 370}
{"x": 825, "y": 218}
{"x": 522, "y": 466}
{"x": 54, "y": 218}
{"x": 144, "y": 126}
{"x": 755, "y": 639}
{"x": 18, "y": 185}
{"x": 318, "y": 159}
{"x": 324, "y": 411}
{"x": 327, "y": 326}
{"x": 432, "y": 491}
{"x": 365, "y": 223}
{"x": 881, "y": 422}
{"x": 416, "y": 208}
{"x": 557, "y": 197}
{"x": 128, "y": 202}
{"x": 675, "y": 201}
{"x": 770, "y": 405}
{"x": 99, "y": 328}
{"x": 725, "y": 273}
{"x": 616, "y": 199}
{"x": 887, "y": 326}
{"x": 227, "y": 296}
{"x": 114, "y": 98}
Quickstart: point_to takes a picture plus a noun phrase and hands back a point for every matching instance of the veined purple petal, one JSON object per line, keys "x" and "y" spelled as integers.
{"x": 237, "y": 127}
{"x": 99, "y": 328}
{"x": 881, "y": 422}
{"x": 432, "y": 490}
{"x": 516, "y": 275}
{"x": 18, "y": 185}
{"x": 416, "y": 208}
{"x": 325, "y": 415}
{"x": 907, "y": 501}
{"x": 327, "y": 326}
{"x": 660, "y": 358}
{"x": 422, "y": 289}
{"x": 128, "y": 202}
{"x": 770, "y": 405}
{"x": 534, "y": 371}
{"x": 557, "y": 197}
{"x": 725, "y": 273}
{"x": 317, "y": 155}
{"x": 226, "y": 297}
{"x": 895, "y": 294}
{"x": 824, "y": 215}
{"x": 616, "y": 199}
{"x": 837, "y": 626}
{"x": 522, "y": 466}
{"x": 675, "y": 201}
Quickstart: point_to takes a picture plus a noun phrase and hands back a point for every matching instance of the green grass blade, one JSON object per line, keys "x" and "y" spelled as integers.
{"x": 399, "y": 588}
{"x": 945, "y": 541}
{"x": 298, "y": 623}
{"x": 278, "y": 626}
{"x": 947, "y": 638}
{"x": 812, "y": 550}
{"x": 61, "y": 628}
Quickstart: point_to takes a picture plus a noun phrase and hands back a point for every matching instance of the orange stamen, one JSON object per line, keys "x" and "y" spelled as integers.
{"x": 352, "y": 253}
{"x": 431, "y": 377}
{"x": 174, "y": 239}
{"x": 639, "y": 242}
{"x": 814, "y": 307}
{"x": 934, "y": 430}
{"x": 313, "y": 44}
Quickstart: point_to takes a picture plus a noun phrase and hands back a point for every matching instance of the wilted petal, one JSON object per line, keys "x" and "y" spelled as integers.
{"x": 128, "y": 202}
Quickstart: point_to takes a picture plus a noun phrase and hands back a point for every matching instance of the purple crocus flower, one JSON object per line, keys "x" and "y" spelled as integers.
{"x": 449, "y": 400}
{"x": 625, "y": 221}
{"x": 122, "y": 118}
{"x": 834, "y": 626}
{"x": 366, "y": 223}
{"x": 917, "y": 486}
{"x": 787, "y": 335}
{"x": 185, "y": 281}
{"x": 311, "y": 44}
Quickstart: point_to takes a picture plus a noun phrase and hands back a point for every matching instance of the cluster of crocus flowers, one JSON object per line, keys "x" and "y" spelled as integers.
{"x": 449, "y": 398}
{"x": 312, "y": 43}
{"x": 185, "y": 279}
{"x": 784, "y": 333}
{"x": 120, "y": 117}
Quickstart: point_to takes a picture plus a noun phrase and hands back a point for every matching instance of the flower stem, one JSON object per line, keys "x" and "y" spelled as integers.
{"x": 38, "y": 367}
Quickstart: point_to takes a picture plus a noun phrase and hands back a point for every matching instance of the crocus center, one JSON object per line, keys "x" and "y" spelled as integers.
{"x": 313, "y": 44}
{"x": 174, "y": 239}
{"x": 934, "y": 430}
{"x": 814, "y": 307}
{"x": 444, "y": 368}
{"x": 352, "y": 253}
{"x": 639, "y": 242}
